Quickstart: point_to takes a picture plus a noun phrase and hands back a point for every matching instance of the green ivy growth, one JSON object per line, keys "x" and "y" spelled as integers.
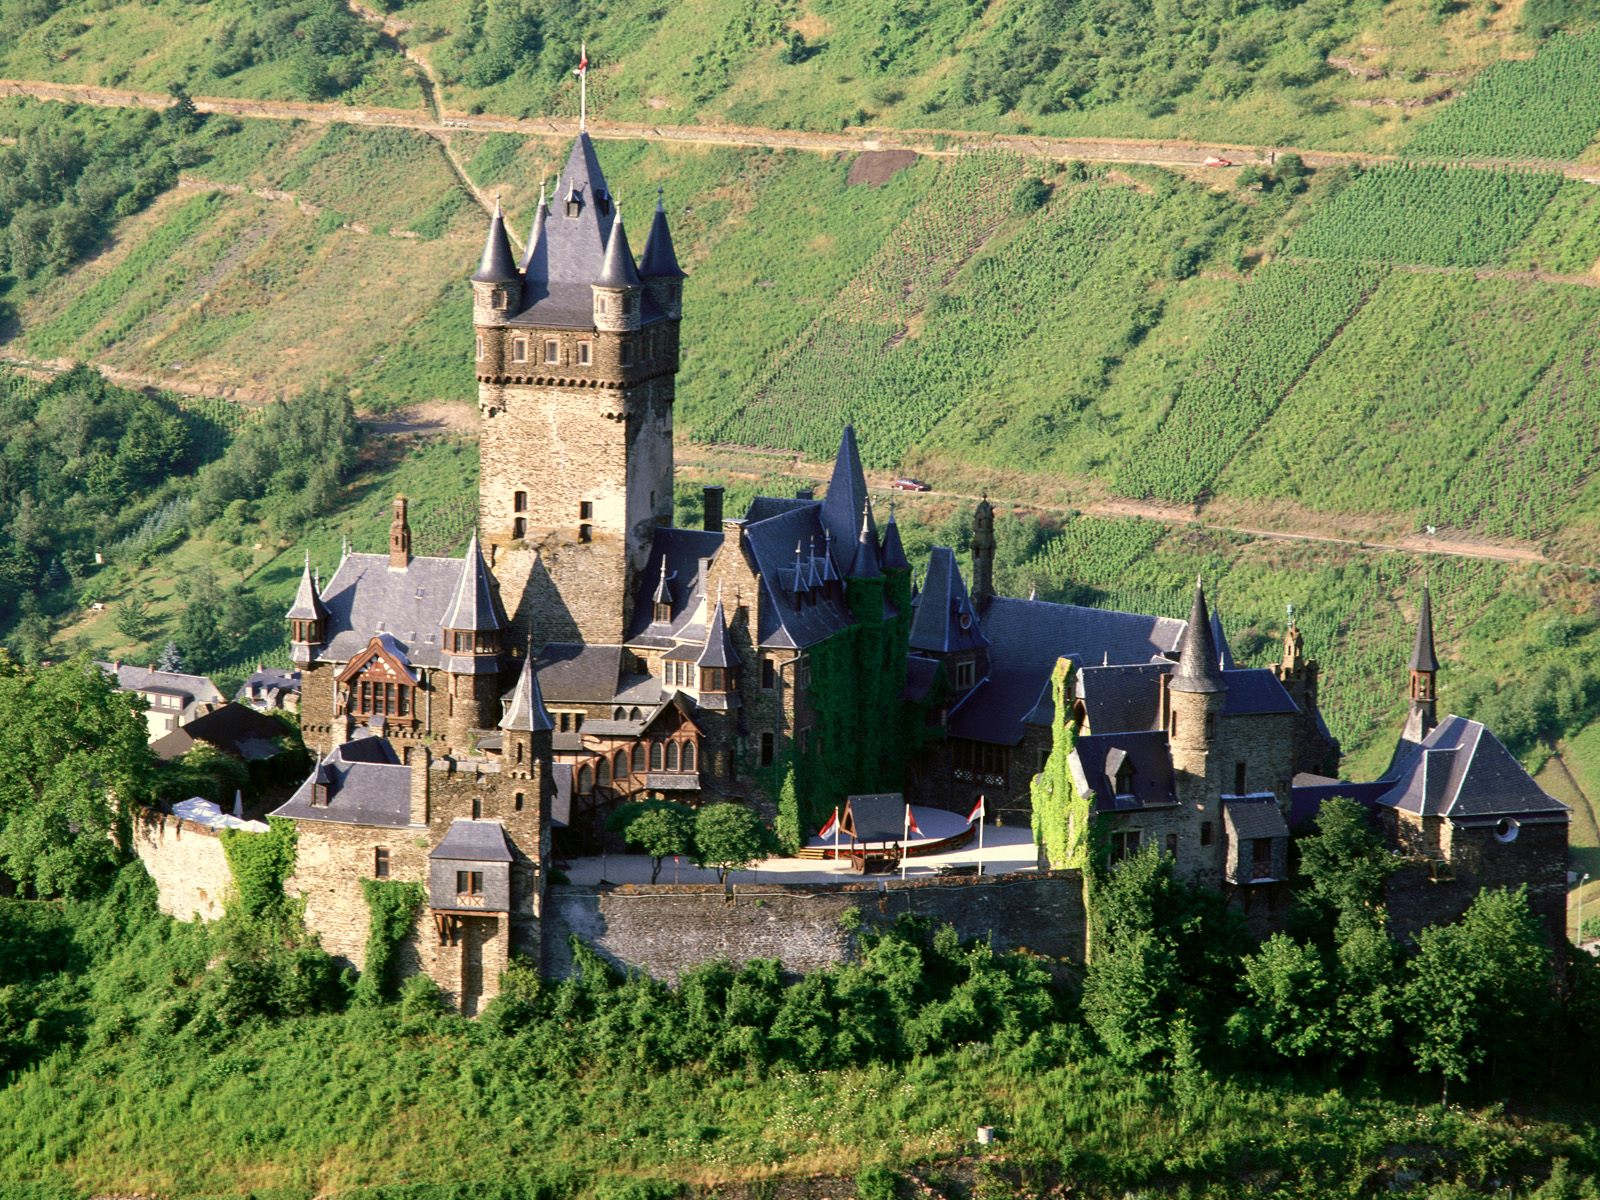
{"x": 393, "y": 907}
{"x": 260, "y": 863}
{"x": 1060, "y": 813}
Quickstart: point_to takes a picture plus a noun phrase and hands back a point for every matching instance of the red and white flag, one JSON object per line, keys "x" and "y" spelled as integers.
{"x": 979, "y": 811}
{"x": 911, "y": 824}
{"x": 583, "y": 60}
{"x": 833, "y": 823}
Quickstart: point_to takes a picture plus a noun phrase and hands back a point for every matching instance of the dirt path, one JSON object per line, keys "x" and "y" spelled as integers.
{"x": 938, "y": 142}
{"x": 1515, "y": 274}
{"x": 200, "y": 184}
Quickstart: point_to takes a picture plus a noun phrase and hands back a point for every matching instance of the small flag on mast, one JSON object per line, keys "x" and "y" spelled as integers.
{"x": 911, "y": 823}
{"x": 833, "y": 823}
{"x": 583, "y": 85}
{"x": 979, "y": 811}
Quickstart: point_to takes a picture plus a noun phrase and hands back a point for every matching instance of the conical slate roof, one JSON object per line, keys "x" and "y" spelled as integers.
{"x": 526, "y": 713}
{"x": 536, "y": 262}
{"x": 847, "y": 493}
{"x": 1422, "y": 656}
{"x": 866, "y": 565}
{"x": 663, "y": 592}
{"x": 894, "y": 554}
{"x": 576, "y": 243}
{"x": 1224, "y": 651}
{"x": 660, "y": 259}
{"x": 719, "y": 651}
{"x": 473, "y": 605}
{"x": 944, "y": 620}
{"x": 497, "y": 265}
{"x": 307, "y": 603}
{"x": 619, "y": 270}
{"x": 1198, "y": 667}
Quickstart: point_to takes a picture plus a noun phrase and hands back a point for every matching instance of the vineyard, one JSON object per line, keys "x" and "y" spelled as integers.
{"x": 1546, "y": 107}
{"x": 1281, "y": 322}
{"x": 1436, "y": 215}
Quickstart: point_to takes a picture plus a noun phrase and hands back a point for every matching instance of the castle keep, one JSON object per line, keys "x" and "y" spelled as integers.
{"x": 471, "y": 713}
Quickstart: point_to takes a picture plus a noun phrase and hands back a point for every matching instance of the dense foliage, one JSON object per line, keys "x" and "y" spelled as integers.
{"x": 392, "y": 907}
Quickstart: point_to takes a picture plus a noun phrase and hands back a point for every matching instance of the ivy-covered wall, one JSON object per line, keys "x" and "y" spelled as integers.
{"x": 393, "y": 906}
{"x": 1060, "y": 813}
{"x": 865, "y": 732}
{"x": 260, "y": 863}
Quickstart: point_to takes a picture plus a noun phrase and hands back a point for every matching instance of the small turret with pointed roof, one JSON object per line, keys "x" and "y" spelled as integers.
{"x": 619, "y": 270}
{"x": 1422, "y": 655}
{"x": 526, "y": 713}
{"x": 866, "y": 565}
{"x": 473, "y": 608}
{"x": 496, "y": 285}
{"x": 617, "y": 300}
{"x": 1199, "y": 665}
{"x": 719, "y": 649}
{"x": 308, "y": 617}
{"x": 662, "y": 276}
{"x": 894, "y": 554}
{"x": 535, "y": 265}
{"x": 1423, "y": 715}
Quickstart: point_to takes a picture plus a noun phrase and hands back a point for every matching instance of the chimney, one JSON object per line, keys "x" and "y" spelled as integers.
{"x": 340, "y": 732}
{"x": 421, "y": 760}
{"x": 712, "y": 494}
{"x": 399, "y": 537}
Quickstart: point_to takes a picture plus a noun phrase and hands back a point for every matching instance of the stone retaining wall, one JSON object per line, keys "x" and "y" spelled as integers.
{"x": 186, "y": 861}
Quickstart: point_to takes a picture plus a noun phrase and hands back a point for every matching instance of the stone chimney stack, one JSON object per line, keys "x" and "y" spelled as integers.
{"x": 421, "y": 760}
{"x": 712, "y": 494}
{"x": 399, "y": 537}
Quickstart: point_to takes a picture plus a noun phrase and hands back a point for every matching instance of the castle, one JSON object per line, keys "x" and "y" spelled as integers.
{"x": 585, "y": 652}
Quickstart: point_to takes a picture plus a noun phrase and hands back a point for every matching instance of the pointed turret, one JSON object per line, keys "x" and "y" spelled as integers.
{"x": 473, "y": 607}
{"x": 894, "y": 554}
{"x": 618, "y": 270}
{"x": 308, "y": 618}
{"x": 1224, "y": 651}
{"x": 1199, "y": 664}
{"x": 535, "y": 264}
{"x": 497, "y": 264}
{"x": 660, "y": 260}
{"x": 1423, "y": 714}
{"x": 847, "y": 492}
{"x": 983, "y": 546}
{"x": 526, "y": 713}
{"x": 719, "y": 650}
{"x": 865, "y": 565}
{"x": 1422, "y": 655}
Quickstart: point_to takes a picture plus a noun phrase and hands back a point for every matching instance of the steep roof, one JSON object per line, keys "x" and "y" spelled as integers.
{"x": 1422, "y": 656}
{"x": 945, "y": 619}
{"x": 1128, "y": 696}
{"x": 660, "y": 259}
{"x": 618, "y": 270}
{"x": 577, "y": 243}
{"x": 367, "y": 785}
{"x": 719, "y": 651}
{"x": 473, "y": 605}
{"x": 1461, "y": 771}
{"x": 894, "y": 554}
{"x": 365, "y": 598}
{"x": 846, "y": 497}
{"x": 783, "y": 620}
{"x": 307, "y": 603}
{"x": 1199, "y": 663}
{"x": 474, "y": 841}
{"x": 675, "y": 557}
{"x": 497, "y": 265}
{"x": 865, "y": 563}
{"x": 536, "y": 259}
{"x": 525, "y": 711}
{"x": 1097, "y": 759}
{"x": 1224, "y": 651}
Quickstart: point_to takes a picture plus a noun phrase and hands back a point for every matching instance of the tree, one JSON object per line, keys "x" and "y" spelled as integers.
{"x": 729, "y": 837}
{"x": 200, "y": 637}
{"x": 1288, "y": 1000}
{"x": 1478, "y": 989}
{"x": 658, "y": 828}
{"x": 1346, "y": 862}
{"x": 170, "y": 659}
{"x": 133, "y": 619}
{"x": 77, "y": 760}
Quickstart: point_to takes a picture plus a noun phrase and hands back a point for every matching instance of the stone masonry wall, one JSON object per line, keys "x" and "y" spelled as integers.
{"x": 666, "y": 928}
{"x": 187, "y": 863}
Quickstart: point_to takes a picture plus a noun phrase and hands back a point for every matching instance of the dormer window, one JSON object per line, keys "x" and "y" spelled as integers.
{"x": 1125, "y": 779}
{"x": 574, "y": 206}
{"x": 663, "y": 612}
{"x": 966, "y": 673}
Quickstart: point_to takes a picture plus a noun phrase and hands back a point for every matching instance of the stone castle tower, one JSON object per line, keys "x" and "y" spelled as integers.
{"x": 577, "y": 357}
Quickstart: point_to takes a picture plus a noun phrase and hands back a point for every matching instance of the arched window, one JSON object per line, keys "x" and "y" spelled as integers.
{"x": 636, "y": 715}
{"x": 602, "y": 772}
{"x": 620, "y": 715}
{"x": 585, "y": 779}
{"x": 619, "y": 765}
{"x": 520, "y": 797}
{"x": 638, "y": 758}
{"x": 655, "y": 756}
{"x": 688, "y": 756}
{"x": 672, "y": 756}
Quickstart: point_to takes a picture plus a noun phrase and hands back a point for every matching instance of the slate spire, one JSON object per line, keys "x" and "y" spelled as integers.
{"x": 660, "y": 260}
{"x": 526, "y": 713}
{"x": 719, "y": 650}
{"x": 1199, "y": 668}
{"x": 308, "y": 604}
{"x": 1422, "y": 655}
{"x": 536, "y": 261}
{"x": 894, "y": 554}
{"x": 618, "y": 270}
{"x": 847, "y": 492}
{"x": 473, "y": 605}
{"x": 866, "y": 565}
{"x": 497, "y": 264}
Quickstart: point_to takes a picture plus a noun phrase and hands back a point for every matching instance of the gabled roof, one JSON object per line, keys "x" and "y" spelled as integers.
{"x": 307, "y": 603}
{"x": 367, "y": 784}
{"x": 473, "y": 605}
{"x": 719, "y": 651}
{"x": 1247, "y": 819}
{"x": 526, "y": 711}
{"x": 660, "y": 259}
{"x": 474, "y": 841}
{"x": 1422, "y": 655}
{"x": 945, "y": 620}
{"x": 1096, "y": 760}
{"x": 235, "y": 729}
{"x": 497, "y": 265}
{"x": 197, "y": 688}
{"x": 1461, "y": 771}
{"x": 618, "y": 270}
{"x": 1199, "y": 663}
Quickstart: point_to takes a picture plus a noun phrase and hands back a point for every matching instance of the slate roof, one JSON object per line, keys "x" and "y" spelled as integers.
{"x": 197, "y": 688}
{"x": 1254, "y": 819}
{"x": 1122, "y": 698}
{"x": 783, "y": 618}
{"x": 1254, "y": 691}
{"x": 1224, "y": 651}
{"x": 473, "y": 841}
{"x": 846, "y": 496}
{"x": 660, "y": 260}
{"x": 618, "y": 271}
{"x": 497, "y": 265}
{"x": 719, "y": 651}
{"x": 1461, "y": 771}
{"x": 365, "y": 597}
{"x": 536, "y": 258}
{"x": 307, "y": 604}
{"x": 1097, "y": 758}
{"x": 369, "y": 786}
{"x": 525, "y": 712}
{"x": 1422, "y": 655}
{"x": 234, "y": 729}
{"x": 573, "y": 673}
{"x": 945, "y": 620}
{"x": 1199, "y": 661}
{"x": 894, "y": 554}
{"x": 473, "y": 604}
{"x": 920, "y": 674}
{"x": 269, "y": 679}
{"x": 679, "y": 551}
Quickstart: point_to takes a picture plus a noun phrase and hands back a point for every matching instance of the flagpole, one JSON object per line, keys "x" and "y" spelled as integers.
{"x": 583, "y": 89}
{"x": 904, "y": 838}
{"x": 983, "y": 815}
{"x": 835, "y": 837}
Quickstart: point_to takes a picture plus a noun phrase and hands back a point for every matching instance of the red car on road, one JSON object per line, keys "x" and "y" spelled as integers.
{"x": 910, "y": 485}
